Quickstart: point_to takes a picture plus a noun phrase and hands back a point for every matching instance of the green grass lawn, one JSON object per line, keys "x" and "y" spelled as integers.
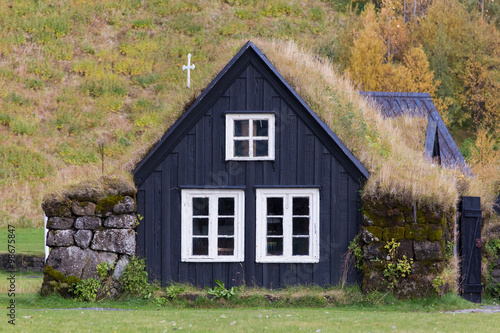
{"x": 28, "y": 240}
{"x": 35, "y": 313}
{"x": 349, "y": 319}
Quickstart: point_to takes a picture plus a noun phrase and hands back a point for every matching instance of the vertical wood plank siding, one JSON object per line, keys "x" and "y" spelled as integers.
{"x": 199, "y": 160}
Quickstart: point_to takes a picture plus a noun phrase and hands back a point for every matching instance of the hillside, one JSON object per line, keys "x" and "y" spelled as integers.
{"x": 88, "y": 87}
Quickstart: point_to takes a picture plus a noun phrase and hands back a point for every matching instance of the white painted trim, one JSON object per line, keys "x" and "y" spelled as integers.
{"x": 187, "y": 196}
{"x": 47, "y": 250}
{"x": 230, "y": 118}
{"x": 261, "y": 227}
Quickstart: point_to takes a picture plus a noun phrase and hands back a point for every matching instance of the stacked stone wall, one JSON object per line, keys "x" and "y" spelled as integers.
{"x": 83, "y": 233}
{"x": 425, "y": 235}
{"x": 22, "y": 262}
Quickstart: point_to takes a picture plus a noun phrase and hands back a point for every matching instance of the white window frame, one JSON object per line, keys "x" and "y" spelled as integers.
{"x": 261, "y": 228}
{"x": 230, "y": 138}
{"x": 187, "y": 196}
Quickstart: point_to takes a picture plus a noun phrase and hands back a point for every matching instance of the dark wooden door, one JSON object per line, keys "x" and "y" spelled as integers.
{"x": 470, "y": 248}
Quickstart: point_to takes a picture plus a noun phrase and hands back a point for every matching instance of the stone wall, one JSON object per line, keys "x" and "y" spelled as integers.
{"x": 425, "y": 235}
{"x": 23, "y": 262}
{"x": 83, "y": 233}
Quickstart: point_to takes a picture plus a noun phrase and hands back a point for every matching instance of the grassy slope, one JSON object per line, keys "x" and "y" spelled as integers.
{"x": 96, "y": 77}
{"x": 75, "y": 75}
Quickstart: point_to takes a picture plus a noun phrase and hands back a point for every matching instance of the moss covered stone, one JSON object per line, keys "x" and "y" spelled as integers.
{"x": 415, "y": 232}
{"x": 434, "y": 233}
{"x": 55, "y": 282}
{"x": 377, "y": 220}
{"x": 53, "y": 274}
{"x": 398, "y": 233}
{"x": 375, "y": 231}
{"x": 105, "y": 206}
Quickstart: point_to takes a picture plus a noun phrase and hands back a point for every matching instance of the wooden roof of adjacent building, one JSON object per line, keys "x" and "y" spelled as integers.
{"x": 397, "y": 104}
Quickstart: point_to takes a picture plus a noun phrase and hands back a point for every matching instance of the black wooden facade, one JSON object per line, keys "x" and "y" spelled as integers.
{"x": 191, "y": 155}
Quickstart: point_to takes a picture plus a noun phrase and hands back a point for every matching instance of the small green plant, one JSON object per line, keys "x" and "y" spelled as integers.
{"x": 357, "y": 251}
{"x": 103, "y": 269}
{"x": 396, "y": 268}
{"x": 138, "y": 219}
{"x": 493, "y": 247}
{"x": 86, "y": 290}
{"x": 135, "y": 278}
{"x": 445, "y": 281}
{"x": 160, "y": 301}
{"x": 220, "y": 290}
{"x": 173, "y": 290}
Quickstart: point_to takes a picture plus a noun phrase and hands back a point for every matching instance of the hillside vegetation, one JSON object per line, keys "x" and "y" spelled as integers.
{"x": 87, "y": 86}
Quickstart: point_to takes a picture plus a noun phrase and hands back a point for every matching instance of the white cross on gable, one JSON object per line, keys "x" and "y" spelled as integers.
{"x": 189, "y": 67}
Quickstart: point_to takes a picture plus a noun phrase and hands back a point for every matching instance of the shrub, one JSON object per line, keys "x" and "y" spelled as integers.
{"x": 86, "y": 290}
{"x": 135, "y": 278}
{"x": 220, "y": 291}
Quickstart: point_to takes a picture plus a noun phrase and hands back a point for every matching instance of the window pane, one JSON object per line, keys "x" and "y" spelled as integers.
{"x": 226, "y": 206}
{"x": 260, "y": 127}
{"x": 241, "y": 148}
{"x": 274, "y": 226}
{"x": 226, "y": 226}
{"x": 274, "y": 246}
{"x": 300, "y": 246}
{"x": 274, "y": 206}
{"x": 200, "y": 227}
{"x": 301, "y": 226}
{"x": 225, "y": 247}
{"x": 260, "y": 148}
{"x": 200, "y": 206}
{"x": 241, "y": 128}
{"x": 200, "y": 246}
{"x": 300, "y": 206}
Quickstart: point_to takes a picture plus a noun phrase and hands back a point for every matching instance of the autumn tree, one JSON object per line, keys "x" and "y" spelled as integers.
{"x": 367, "y": 66}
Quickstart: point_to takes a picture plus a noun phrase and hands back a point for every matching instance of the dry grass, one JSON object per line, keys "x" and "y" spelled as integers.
{"x": 24, "y": 285}
{"x": 398, "y": 168}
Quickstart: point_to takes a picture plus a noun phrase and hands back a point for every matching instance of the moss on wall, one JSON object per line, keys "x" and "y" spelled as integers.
{"x": 421, "y": 232}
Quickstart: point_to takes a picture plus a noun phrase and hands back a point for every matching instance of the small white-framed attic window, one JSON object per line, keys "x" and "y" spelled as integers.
{"x": 212, "y": 225}
{"x": 287, "y": 229}
{"x": 250, "y": 136}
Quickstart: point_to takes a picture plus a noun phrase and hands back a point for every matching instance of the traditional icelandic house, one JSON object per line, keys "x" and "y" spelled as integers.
{"x": 248, "y": 186}
{"x": 439, "y": 143}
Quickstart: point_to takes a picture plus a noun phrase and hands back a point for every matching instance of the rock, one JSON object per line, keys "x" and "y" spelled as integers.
{"x": 427, "y": 268}
{"x": 124, "y": 221}
{"x": 60, "y": 238}
{"x": 127, "y": 205}
{"x": 396, "y": 233}
{"x": 83, "y": 208}
{"x": 367, "y": 221}
{"x": 373, "y": 251}
{"x": 60, "y": 223}
{"x": 80, "y": 263}
{"x": 53, "y": 208}
{"x": 413, "y": 288}
{"x": 120, "y": 267}
{"x": 496, "y": 273}
{"x": 83, "y": 238}
{"x": 115, "y": 240}
{"x": 405, "y": 249}
{"x": 88, "y": 222}
{"x": 368, "y": 237}
{"x": 428, "y": 251}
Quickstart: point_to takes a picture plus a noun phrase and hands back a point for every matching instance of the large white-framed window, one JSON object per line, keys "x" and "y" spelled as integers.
{"x": 287, "y": 229}
{"x": 212, "y": 225}
{"x": 250, "y": 136}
